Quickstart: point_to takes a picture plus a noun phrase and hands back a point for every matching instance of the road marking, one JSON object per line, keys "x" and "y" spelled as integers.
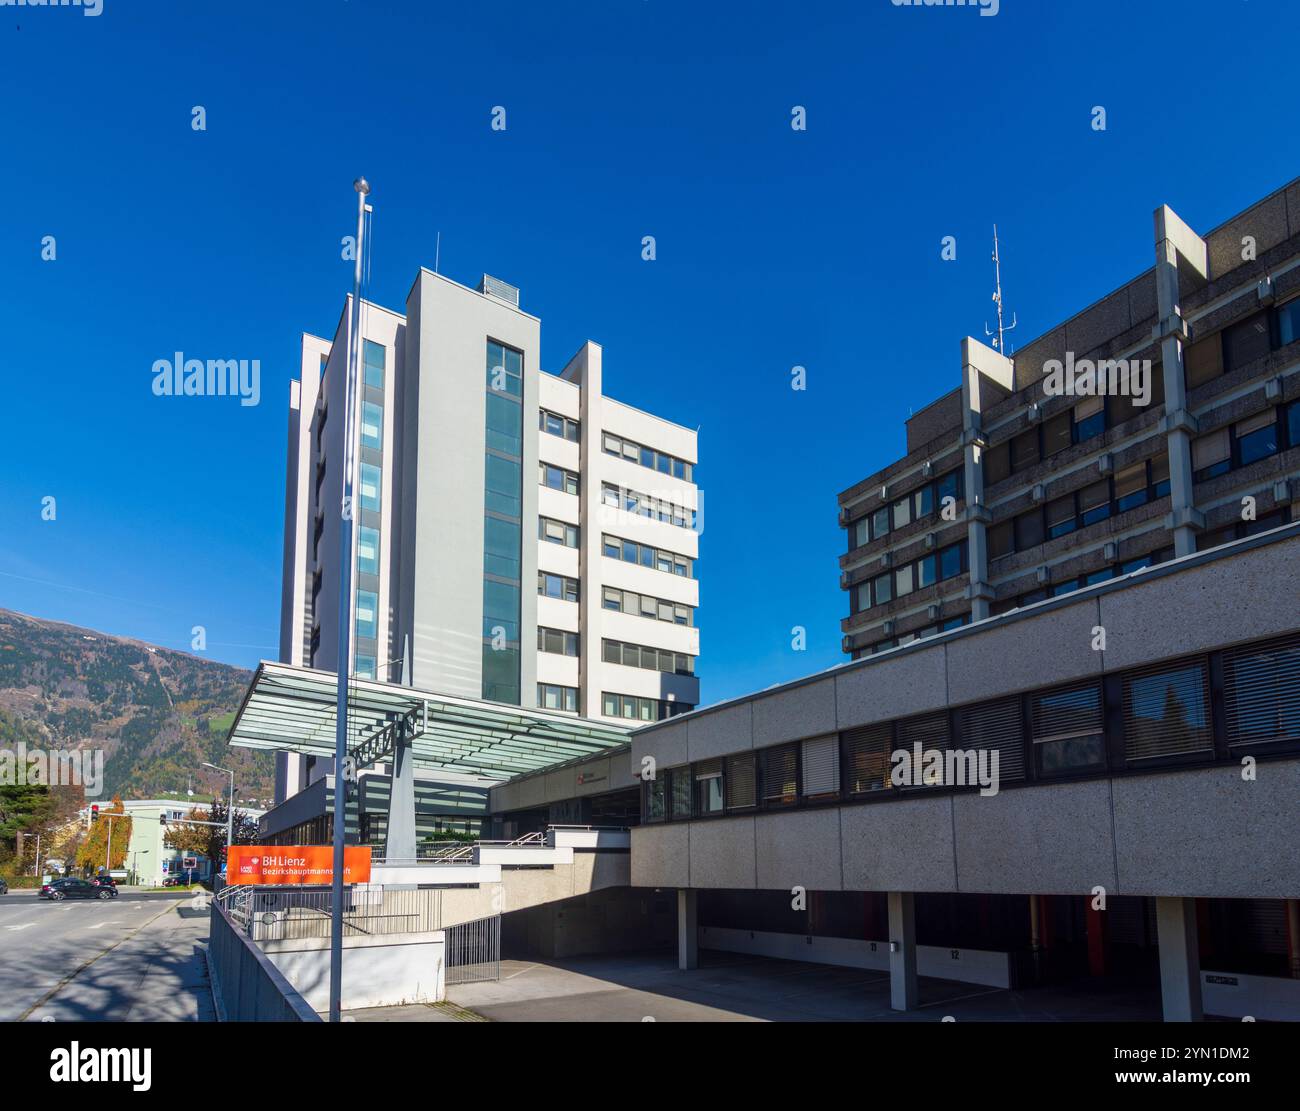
{"x": 24, "y": 926}
{"x": 101, "y": 925}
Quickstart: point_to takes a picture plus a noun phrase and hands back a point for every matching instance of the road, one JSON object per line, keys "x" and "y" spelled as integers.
{"x": 133, "y": 958}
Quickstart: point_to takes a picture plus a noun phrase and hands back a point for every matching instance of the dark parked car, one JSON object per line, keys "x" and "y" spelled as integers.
{"x": 74, "y": 888}
{"x": 4, "y": 887}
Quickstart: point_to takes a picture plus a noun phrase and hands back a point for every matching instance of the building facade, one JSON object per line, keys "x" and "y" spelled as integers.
{"x": 1017, "y": 488}
{"x": 519, "y": 536}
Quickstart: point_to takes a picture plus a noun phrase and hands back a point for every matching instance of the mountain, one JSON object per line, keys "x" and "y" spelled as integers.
{"x": 156, "y": 713}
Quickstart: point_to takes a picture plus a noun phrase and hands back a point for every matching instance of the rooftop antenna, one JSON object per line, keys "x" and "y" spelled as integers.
{"x": 437, "y": 250}
{"x": 1000, "y": 342}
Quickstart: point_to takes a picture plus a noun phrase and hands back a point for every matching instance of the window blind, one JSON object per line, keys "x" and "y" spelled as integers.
{"x": 1167, "y": 712}
{"x": 821, "y": 766}
{"x": 778, "y": 774}
{"x": 738, "y": 779}
{"x": 1261, "y": 693}
{"x": 997, "y": 727}
{"x": 866, "y": 758}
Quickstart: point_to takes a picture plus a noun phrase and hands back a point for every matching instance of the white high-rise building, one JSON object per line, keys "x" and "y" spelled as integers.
{"x": 478, "y": 475}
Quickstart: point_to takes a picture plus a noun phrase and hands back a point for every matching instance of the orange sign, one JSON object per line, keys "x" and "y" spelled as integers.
{"x": 299, "y": 864}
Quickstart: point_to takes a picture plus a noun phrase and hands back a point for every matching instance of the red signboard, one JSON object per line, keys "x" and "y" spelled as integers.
{"x": 295, "y": 864}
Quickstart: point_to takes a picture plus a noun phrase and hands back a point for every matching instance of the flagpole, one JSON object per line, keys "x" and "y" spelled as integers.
{"x": 345, "y": 617}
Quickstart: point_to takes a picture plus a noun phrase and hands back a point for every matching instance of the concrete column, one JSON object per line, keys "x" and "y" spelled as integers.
{"x": 688, "y": 929}
{"x": 1174, "y": 240}
{"x": 903, "y": 993}
{"x": 400, "y": 842}
{"x": 1180, "y": 960}
{"x": 978, "y": 361}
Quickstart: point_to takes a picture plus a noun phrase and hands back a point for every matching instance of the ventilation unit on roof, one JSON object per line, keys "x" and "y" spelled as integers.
{"x": 502, "y": 291}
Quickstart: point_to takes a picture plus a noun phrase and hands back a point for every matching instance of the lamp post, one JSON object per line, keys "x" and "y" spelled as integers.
{"x": 230, "y": 806}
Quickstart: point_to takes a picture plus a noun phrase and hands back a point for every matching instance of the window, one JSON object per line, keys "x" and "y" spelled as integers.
{"x": 557, "y": 425}
{"x": 368, "y": 550}
{"x": 1261, "y": 692}
{"x": 557, "y": 478}
{"x": 635, "y": 708}
{"x": 952, "y": 560}
{"x": 1001, "y": 539}
{"x": 1203, "y": 360}
{"x": 1211, "y": 455}
{"x": 505, "y": 369}
{"x": 1067, "y": 729}
{"x": 679, "y": 780}
{"x": 902, "y": 512}
{"x": 1245, "y": 341}
{"x": 997, "y": 727}
{"x": 552, "y": 697}
{"x": 931, "y": 733}
{"x": 628, "y": 601}
{"x": 708, "y": 787}
{"x": 1166, "y": 712}
{"x": 903, "y": 580}
{"x": 365, "y": 667}
{"x": 557, "y": 532}
{"x": 821, "y": 767}
{"x": 1288, "y": 322}
{"x": 630, "y": 552}
{"x": 367, "y": 613}
{"x": 374, "y": 358}
{"x": 372, "y": 425}
{"x": 1058, "y": 434}
{"x": 865, "y": 758}
{"x": 500, "y": 612}
{"x": 1291, "y": 419}
{"x": 656, "y": 808}
{"x": 646, "y": 457}
{"x": 504, "y": 424}
{"x": 502, "y": 493}
{"x": 370, "y": 486}
{"x": 997, "y": 463}
{"x": 1094, "y": 502}
{"x": 882, "y": 589}
{"x": 880, "y": 522}
{"x": 644, "y": 656}
{"x": 1256, "y": 437}
{"x": 1089, "y": 418}
{"x": 740, "y": 781}
{"x": 1024, "y": 449}
{"x": 1061, "y": 518}
{"x": 557, "y": 586}
{"x": 1131, "y": 487}
{"x": 777, "y": 775}
{"x": 501, "y": 547}
{"x": 1029, "y": 530}
{"x": 557, "y": 641}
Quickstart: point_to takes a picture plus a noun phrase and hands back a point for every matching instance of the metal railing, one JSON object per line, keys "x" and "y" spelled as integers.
{"x": 271, "y": 914}
{"x": 473, "y": 952}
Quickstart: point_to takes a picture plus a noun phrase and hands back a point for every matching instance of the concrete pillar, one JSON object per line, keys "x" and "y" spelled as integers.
{"x": 1180, "y": 961}
{"x": 978, "y": 361}
{"x": 400, "y": 841}
{"x": 1175, "y": 240}
{"x": 688, "y": 929}
{"x": 903, "y": 993}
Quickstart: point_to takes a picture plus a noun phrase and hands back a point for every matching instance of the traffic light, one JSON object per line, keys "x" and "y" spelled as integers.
{"x": 94, "y": 813}
{"x": 162, "y": 819}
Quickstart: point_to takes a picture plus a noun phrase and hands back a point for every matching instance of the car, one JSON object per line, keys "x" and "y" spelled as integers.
{"x": 74, "y": 888}
{"x": 4, "y": 887}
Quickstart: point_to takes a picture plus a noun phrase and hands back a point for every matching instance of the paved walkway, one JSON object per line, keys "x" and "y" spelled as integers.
{"x": 736, "y": 988}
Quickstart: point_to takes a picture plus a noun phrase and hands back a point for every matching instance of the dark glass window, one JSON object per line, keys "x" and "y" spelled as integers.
{"x": 1057, "y": 434}
{"x": 1024, "y": 449}
{"x": 1029, "y": 530}
{"x": 1245, "y": 342}
{"x": 1001, "y": 539}
{"x": 1288, "y": 322}
{"x": 997, "y": 464}
{"x": 1256, "y": 438}
{"x": 1061, "y": 516}
{"x": 1067, "y": 729}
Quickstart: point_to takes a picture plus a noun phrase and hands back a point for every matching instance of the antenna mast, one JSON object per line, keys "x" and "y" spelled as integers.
{"x": 1000, "y": 342}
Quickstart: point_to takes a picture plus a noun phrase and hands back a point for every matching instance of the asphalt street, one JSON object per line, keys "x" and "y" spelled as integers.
{"x": 132, "y": 958}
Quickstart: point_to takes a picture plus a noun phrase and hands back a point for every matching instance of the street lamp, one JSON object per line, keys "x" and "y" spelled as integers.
{"x": 135, "y": 872}
{"x": 230, "y": 806}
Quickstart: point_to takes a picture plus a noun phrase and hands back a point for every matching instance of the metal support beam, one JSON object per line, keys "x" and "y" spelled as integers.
{"x": 400, "y": 841}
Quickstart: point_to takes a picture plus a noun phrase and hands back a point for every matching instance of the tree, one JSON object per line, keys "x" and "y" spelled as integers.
{"x": 95, "y": 846}
{"x": 210, "y": 840}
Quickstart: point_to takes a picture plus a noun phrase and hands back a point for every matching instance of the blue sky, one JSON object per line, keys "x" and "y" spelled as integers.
{"x": 625, "y": 118}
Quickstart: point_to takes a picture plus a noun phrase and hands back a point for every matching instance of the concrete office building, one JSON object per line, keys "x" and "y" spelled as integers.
{"x": 148, "y": 855}
{"x": 454, "y": 419}
{"x": 1106, "y": 613}
{"x": 1054, "y": 492}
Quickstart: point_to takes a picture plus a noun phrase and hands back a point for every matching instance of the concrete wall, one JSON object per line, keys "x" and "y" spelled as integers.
{"x": 385, "y": 971}
{"x": 1196, "y": 831}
